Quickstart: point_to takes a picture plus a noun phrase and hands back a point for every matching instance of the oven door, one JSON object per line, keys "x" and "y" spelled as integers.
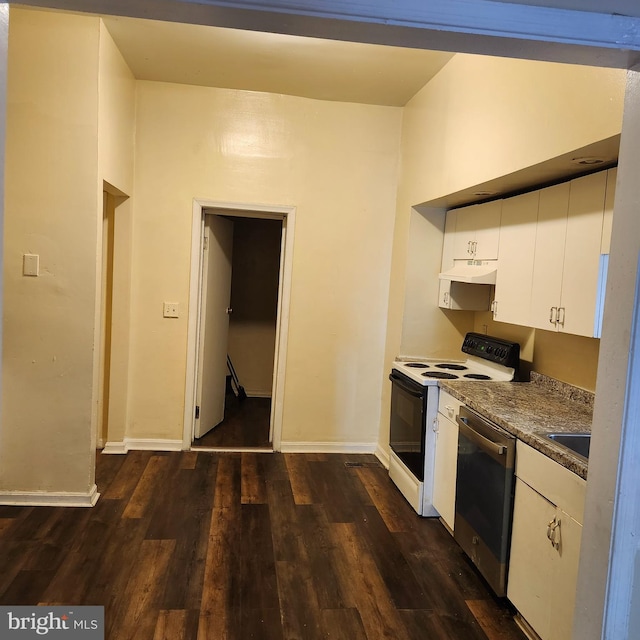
{"x": 484, "y": 495}
{"x": 407, "y": 430}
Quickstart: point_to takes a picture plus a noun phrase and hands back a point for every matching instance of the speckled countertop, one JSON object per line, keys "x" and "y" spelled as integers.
{"x": 530, "y": 410}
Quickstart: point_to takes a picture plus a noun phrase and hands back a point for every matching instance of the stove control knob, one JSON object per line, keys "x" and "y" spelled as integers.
{"x": 490, "y": 349}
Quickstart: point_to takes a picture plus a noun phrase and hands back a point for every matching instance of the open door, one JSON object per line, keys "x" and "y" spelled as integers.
{"x": 214, "y": 322}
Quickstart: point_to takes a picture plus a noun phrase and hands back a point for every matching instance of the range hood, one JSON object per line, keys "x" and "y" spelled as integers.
{"x": 472, "y": 272}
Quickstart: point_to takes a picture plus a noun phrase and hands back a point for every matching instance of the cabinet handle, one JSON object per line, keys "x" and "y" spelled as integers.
{"x": 450, "y": 411}
{"x": 446, "y": 297}
{"x": 552, "y": 315}
{"x": 553, "y": 532}
{"x": 469, "y": 247}
{"x": 561, "y": 311}
{"x": 475, "y": 247}
{"x": 494, "y": 309}
{"x": 435, "y": 425}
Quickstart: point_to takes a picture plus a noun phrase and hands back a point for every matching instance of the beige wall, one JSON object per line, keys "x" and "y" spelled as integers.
{"x": 254, "y": 300}
{"x": 482, "y": 118}
{"x": 51, "y": 209}
{"x": 116, "y": 133}
{"x": 337, "y": 164}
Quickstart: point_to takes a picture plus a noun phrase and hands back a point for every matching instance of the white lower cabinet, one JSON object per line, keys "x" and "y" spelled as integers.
{"x": 446, "y": 461}
{"x": 545, "y": 543}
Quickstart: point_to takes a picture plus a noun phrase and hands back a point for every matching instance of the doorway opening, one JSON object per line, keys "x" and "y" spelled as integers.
{"x": 112, "y": 199}
{"x": 238, "y": 317}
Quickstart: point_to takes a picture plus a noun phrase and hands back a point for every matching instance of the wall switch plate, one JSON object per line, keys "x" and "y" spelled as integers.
{"x": 170, "y": 310}
{"x": 30, "y": 264}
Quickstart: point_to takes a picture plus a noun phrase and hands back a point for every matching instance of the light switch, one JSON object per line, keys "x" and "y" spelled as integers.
{"x": 30, "y": 264}
{"x": 170, "y": 310}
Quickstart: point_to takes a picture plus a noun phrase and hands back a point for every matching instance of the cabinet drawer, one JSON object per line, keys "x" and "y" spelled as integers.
{"x": 558, "y": 485}
{"x": 448, "y": 406}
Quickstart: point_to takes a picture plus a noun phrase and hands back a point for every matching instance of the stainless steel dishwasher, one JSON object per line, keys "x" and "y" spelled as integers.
{"x": 484, "y": 495}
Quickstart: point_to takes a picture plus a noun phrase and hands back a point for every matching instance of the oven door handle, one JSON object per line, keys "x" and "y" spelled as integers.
{"x": 405, "y": 387}
{"x": 480, "y": 440}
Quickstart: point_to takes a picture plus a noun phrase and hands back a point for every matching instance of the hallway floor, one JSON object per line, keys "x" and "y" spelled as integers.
{"x": 211, "y": 546}
{"x": 246, "y": 424}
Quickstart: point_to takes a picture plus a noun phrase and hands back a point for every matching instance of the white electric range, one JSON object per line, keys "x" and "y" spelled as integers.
{"x": 414, "y": 408}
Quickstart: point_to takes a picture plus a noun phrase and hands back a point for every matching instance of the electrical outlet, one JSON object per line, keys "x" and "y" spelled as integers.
{"x": 170, "y": 310}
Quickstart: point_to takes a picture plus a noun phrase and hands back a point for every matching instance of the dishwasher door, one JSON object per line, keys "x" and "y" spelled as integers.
{"x": 484, "y": 495}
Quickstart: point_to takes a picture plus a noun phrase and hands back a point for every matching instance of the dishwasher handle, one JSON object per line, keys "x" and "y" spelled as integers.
{"x": 480, "y": 440}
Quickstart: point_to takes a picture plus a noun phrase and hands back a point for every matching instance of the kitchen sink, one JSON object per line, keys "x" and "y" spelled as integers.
{"x": 577, "y": 442}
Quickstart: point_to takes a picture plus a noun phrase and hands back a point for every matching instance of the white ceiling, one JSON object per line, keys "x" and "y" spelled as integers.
{"x": 255, "y": 61}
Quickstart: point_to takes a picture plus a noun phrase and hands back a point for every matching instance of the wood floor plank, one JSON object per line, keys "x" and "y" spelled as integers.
{"x": 5, "y": 524}
{"x": 406, "y": 591}
{"x": 379, "y": 616}
{"x": 301, "y": 614}
{"x": 434, "y": 626}
{"x": 393, "y": 508}
{"x": 176, "y": 624}
{"x": 143, "y": 592}
{"x": 343, "y": 624}
{"x": 339, "y": 490}
{"x": 188, "y": 459}
{"x": 127, "y": 476}
{"x": 220, "y": 605}
{"x": 285, "y": 529}
{"x": 496, "y": 622}
{"x": 141, "y": 498}
{"x": 253, "y": 487}
{"x": 258, "y": 584}
{"x": 260, "y": 624}
{"x": 324, "y": 563}
{"x": 298, "y": 469}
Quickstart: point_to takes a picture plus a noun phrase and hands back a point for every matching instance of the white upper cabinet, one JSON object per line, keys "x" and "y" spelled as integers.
{"x": 458, "y": 295}
{"x": 551, "y": 247}
{"x": 581, "y": 270}
{"x": 566, "y": 270}
{"x": 477, "y": 231}
{"x": 551, "y": 231}
{"x": 512, "y": 302}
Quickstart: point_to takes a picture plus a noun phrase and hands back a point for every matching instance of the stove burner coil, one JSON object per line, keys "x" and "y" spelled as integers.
{"x": 417, "y": 365}
{"x": 441, "y": 375}
{"x": 452, "y": 366}
{"x": 477, "y": 376}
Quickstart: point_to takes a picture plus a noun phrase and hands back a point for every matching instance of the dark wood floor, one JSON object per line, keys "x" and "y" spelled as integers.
{"x": 246, "y": 424}
{"x": 213, "y": 546}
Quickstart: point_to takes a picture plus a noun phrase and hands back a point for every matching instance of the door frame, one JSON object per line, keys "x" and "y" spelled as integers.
{"x": 202, "y": 207}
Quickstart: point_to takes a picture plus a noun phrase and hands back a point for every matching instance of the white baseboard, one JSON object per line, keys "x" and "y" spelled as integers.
{"x": 328, "y": 447}
{"x": 383, "y": 456}
{"x": 50, "y": 498}
{"x": 142, "y": 444}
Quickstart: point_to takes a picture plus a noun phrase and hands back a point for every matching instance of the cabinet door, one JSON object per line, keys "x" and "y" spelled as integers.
{"x": 542, "y": 578}
{"x": 465, "y": 234}
{"x": 487, "y": 227}
{"x": 515, "y": 259}
{"x": 478, "y": 231}
{"x": 546, "y": 285}
{"x": 582, "y": 254}
{"x": 529, "y": 587}
{"x": 445, "y": 468}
